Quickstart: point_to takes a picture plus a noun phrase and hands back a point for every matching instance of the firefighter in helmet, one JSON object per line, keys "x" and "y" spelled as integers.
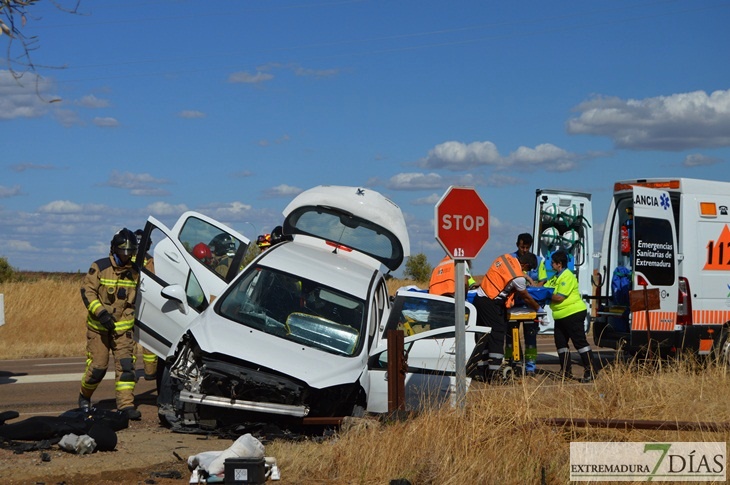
{"x": 108, "y": 292}
{"x": 263, "y": 242}
{"x": 202, "y": 253}
{"x": 223, "y": 248}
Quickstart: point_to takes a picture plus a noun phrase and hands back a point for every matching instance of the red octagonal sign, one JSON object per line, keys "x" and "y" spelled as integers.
{"x": 462, "y": 222}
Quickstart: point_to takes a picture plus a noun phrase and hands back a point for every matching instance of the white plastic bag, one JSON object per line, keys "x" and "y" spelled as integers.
{"x": 213, "y": 462}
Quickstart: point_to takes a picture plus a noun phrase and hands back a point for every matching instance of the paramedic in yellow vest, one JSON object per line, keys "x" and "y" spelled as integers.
{"x": 569, "y": 312}
{"x": 495, "y": 296}
{"x": 108, "y": 293}
{"x": 149, "y": 358}
{"x": 443, "y": 276}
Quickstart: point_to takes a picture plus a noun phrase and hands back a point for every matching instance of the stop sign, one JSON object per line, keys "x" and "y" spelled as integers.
{"x": 461, "y": 222}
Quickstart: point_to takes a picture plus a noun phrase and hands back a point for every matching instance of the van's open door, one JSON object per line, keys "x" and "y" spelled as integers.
{"x": 175, "y": 287}
{"x": 654, "y": 259}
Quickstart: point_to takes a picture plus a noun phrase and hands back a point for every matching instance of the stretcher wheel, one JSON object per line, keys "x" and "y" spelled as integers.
{"x": 508, "y": 373}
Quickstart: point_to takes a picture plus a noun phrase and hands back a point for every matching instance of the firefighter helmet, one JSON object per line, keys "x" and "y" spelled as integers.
{"x": 202, "y": 253}
{"x": 124, "y": 243}
{"x": 277, "y": 235}
{"x": 223, "y": 244}
{"x": 263, "y": 241}
{"x": 139, "y": 233}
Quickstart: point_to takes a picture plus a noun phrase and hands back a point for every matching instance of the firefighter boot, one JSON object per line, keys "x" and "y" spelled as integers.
{"x": 586, "y": 359}
{"x": 566, "y": 365}
{"x": 132, "y": 414}
{"x": 84, "y": 403}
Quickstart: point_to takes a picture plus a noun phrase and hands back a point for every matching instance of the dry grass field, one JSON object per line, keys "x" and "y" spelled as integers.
{"x": 44, "y": 317}
{"x": 498, "y": 436}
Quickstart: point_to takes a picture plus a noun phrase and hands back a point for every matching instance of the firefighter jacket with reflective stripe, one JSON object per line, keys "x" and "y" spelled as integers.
{"x": 112, "y": 288}
{"x": 503, "y": 270}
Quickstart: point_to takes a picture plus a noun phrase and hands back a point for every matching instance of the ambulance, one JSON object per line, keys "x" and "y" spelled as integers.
{"x": 664, "y": 270}
{"x": 564, "y": 220}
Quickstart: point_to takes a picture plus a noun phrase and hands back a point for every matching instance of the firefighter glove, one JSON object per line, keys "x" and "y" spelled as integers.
{"x": 107, "y": 320}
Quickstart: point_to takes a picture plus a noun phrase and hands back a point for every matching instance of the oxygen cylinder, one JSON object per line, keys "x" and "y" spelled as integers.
{"x": 550, "y": 237}
{"x": 570, "y": 215}
{"x": 569, "y": 239}
{"x": 550, "y": 214}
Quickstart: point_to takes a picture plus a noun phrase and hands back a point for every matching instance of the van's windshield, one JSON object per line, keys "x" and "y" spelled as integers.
{"x": 296, "y": 309}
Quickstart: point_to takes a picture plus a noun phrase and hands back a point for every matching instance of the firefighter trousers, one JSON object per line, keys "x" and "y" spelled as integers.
{"x": 98, "y": 347}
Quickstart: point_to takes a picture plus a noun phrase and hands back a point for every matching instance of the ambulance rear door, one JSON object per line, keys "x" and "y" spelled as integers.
{"x": 564, "y": 220}
{"x": 654, "y": 258}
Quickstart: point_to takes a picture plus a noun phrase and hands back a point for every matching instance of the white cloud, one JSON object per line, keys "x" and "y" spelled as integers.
{"x": 699, "y": 160}
{"x": 142, "y": 184}
{"x": 165, "y": 209}
{"x": 61, "y": 207}
{"x": 106, "y": 122}
{"x": 428, "y": 200}
{"x": 282, "y": 190}
{"x": 546, "y": 156}
{"x": 27, "y": 97}
{"x": 190, "y": 114}
{"x": 456, "y": 156}
{"x": 91, "y": 101}
{"x": 245, "y": 77}
{"x": 670, "y": 123}
{"x": 415, "y": 181}
{"x": 19, "y": 245}
{"x": 427, "y": 181}
{"x": 227, "y": 211}
{"x": 6, "y": 192}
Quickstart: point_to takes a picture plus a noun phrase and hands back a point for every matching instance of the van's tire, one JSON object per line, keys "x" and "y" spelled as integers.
{"x": 166, "y": 397}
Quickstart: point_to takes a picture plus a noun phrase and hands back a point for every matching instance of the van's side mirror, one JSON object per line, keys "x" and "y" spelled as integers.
{"x": 176, "y": 293}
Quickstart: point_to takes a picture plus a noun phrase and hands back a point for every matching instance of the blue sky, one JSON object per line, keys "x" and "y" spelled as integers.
{"x": 231, "y": 108}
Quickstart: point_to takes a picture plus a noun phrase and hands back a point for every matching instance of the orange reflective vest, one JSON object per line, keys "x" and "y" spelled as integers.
{"x": 442, "y": 278}
{"x": 503, "y": 270}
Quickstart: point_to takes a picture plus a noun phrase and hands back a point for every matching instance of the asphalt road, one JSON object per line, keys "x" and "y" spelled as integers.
{"x": 49, "y": 387}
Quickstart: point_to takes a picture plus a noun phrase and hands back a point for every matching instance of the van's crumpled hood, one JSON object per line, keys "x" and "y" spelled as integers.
{"x": 318, "y": 369}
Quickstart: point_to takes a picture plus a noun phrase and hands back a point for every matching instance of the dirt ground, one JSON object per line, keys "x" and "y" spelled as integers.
{"x": 146, "y": 453}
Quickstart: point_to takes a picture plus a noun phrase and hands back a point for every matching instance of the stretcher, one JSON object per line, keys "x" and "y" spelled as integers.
{"x": 515, "y": 358}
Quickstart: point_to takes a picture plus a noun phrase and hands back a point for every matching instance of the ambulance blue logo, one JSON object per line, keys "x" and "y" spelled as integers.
{"x": 664, "y": 201}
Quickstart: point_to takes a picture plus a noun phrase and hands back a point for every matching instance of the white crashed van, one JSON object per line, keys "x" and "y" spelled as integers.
{"x": 299, "y": 332}
{"x": 564, "y": 220}
{"x": 669, "y": 236}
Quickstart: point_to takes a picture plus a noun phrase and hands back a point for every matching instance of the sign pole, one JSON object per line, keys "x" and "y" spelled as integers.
{"x": 462, "y": 228}
{"x": 460, "y": 334}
